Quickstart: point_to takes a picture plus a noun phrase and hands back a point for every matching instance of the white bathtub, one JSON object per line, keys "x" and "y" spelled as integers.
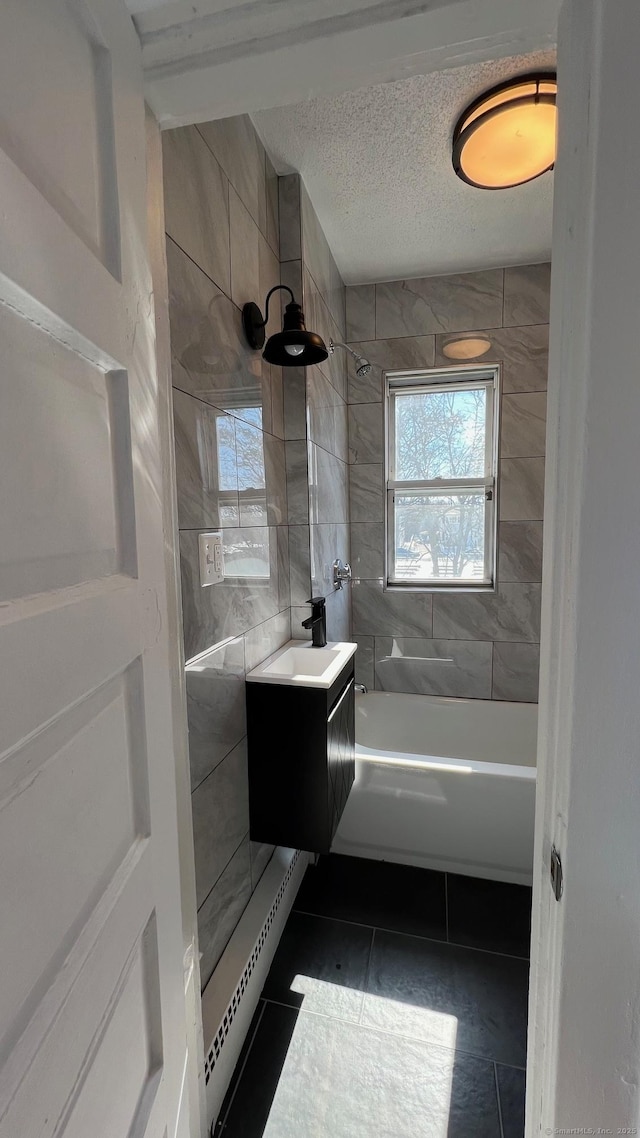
{"x": 447, "y": 784}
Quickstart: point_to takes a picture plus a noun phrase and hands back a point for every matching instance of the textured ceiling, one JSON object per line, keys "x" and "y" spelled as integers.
{"x": 377, "y": 165}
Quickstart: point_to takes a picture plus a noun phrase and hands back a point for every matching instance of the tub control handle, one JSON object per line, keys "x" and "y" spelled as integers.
{"x": 340, "y": 573}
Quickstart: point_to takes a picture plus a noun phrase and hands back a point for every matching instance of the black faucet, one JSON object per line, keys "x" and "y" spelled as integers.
{"x": 317, "y": 622}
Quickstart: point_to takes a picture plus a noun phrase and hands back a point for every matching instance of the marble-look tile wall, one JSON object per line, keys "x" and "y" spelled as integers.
{"x": 223, "y": 239}
{"x": 315, "y": 419}
{"x": 481, "y": 645}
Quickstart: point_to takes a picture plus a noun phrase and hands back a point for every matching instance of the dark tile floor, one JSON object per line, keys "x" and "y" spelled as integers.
{"x": 396, "y": 1007}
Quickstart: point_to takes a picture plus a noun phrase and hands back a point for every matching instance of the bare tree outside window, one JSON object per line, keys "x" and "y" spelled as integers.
{"x": 242, "y": 499}
{"x": 441, "y": 455}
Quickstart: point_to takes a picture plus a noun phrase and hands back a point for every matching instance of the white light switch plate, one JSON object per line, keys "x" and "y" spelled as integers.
{"x": 211, "y": 558}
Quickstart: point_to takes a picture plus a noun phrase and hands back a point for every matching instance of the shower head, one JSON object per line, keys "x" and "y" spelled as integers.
{"x": 363, "y": 367}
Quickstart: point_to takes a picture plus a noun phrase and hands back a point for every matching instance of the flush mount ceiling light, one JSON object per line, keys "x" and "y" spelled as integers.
{"x": 466, "y": 347}
{"x": 508, "y": 135}
{"x": 294, "y": 346}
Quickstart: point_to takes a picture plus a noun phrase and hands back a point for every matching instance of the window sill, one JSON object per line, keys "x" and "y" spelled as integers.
{"x": 394, "y": 587}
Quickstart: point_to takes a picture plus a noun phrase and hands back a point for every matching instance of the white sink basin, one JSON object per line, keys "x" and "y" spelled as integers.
{"x": 299, "y": 664}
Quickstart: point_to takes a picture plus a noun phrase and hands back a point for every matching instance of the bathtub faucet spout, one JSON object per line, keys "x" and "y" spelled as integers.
{"x": 361, "y": 688}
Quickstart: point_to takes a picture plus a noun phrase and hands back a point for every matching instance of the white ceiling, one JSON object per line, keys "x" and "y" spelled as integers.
{"x": 363, "y": 96}
{"x": 207, "y": 59}
{"x": 377, "y": 165}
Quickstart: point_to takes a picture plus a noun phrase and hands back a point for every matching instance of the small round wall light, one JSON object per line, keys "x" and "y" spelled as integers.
{"x": 466, "y": 347}
{"x": 508, "y": 136}
{"x": 294, "y": 346}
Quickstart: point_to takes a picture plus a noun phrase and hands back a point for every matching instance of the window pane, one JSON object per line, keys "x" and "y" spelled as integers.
{"x": 246, "y": 554}
{"x": 440, "y": 434}
{"x": 226, "y": 444}
{"x": 249, "y": 457}
{"x": 439, "y": 537}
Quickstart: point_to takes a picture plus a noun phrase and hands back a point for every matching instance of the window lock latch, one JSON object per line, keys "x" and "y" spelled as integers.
{"x": 489, "y": 495}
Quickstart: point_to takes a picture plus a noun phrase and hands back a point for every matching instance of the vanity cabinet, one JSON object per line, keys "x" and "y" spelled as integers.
{"x": 301, "y": 744}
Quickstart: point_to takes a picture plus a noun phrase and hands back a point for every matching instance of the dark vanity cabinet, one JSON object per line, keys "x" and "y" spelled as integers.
{"x": 301, "y": 760}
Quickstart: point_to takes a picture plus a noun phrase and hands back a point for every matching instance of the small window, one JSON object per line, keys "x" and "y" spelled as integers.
{"x": 441, "y": 478}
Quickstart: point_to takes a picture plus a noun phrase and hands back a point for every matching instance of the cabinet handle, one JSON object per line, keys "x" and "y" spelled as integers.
{"x": 343, "y": 696}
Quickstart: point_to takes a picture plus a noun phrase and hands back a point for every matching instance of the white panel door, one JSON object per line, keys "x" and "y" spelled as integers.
{"x": 583, "y": 1073}
{"x": 92, "y": 1021}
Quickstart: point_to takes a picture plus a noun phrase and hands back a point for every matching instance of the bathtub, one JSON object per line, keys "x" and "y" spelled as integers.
{"x": 446, "y": 784}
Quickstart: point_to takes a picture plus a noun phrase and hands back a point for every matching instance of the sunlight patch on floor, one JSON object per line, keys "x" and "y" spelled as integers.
{"x": 340, "y": 1081}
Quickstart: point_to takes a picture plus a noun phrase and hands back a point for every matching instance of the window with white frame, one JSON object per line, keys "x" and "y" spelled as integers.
{"x": 441, "y": 477}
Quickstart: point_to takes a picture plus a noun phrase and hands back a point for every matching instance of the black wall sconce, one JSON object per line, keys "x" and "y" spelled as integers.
{"x": 294, "y": 346}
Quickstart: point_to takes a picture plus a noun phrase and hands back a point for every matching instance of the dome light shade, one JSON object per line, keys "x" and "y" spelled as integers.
{"x": 466, "y": 347}
{"x": 508, "y": 136}
{"x": 294, "y": 346}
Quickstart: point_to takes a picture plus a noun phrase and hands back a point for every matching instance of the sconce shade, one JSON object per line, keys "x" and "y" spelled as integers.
{"x": 508, "y": 136}
{"x": 294, "y": 346}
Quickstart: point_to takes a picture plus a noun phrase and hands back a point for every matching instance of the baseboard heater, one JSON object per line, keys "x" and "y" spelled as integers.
{"x": 231, "y": 996}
